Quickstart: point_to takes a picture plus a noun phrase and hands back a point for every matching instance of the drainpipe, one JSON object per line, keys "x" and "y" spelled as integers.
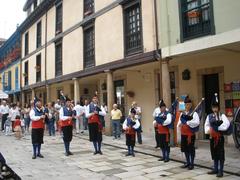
{"x": 158, "y": 53}
{"x": 45, "y": 61}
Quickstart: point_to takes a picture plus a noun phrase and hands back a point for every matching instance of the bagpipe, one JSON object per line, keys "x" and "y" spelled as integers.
{"x": 5, "y": 171}
{"x": 130, "y": 123}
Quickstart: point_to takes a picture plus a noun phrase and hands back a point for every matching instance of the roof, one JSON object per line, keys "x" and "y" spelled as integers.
{"x": 27, "y": 4}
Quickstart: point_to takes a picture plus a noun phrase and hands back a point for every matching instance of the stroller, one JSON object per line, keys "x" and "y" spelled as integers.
{"x": 6, "y": 173}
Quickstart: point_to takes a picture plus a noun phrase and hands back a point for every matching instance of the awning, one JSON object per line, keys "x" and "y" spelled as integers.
{"x": 3, "y": 95}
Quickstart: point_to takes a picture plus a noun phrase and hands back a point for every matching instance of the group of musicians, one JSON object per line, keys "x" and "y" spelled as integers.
{"x": 187, "y": 126}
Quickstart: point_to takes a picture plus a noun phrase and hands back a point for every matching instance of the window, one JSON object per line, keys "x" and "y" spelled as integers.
{"x": 133, "y": 28}
{"x": 38, "y": 68}
{"x": 58, "y": 58}
{"x": 16, "y": 78}
{"x": 89, "y": 47}
{"x": 39, "y": 34}
{"x": 59, "y": 18}
{"x": 25, "y": 73}
{"x": 35, "y": 4}
{"x": 197, "y": 18}
{"x": 88, "y": 7}
{"x": 26, "y": 43}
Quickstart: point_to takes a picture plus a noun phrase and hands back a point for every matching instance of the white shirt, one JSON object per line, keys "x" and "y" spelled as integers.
{"x": 57, "y": 106}
{"x": 138, "y": 112}
{"x": 13, "y": 113}
{"x": 136, "y": 126}
{"x": 33, "y": 117}
{"x": 223, "y": 127}
{"x": 156, "y": 113}
{"x": 61, "y": 115}
{"x": 192, "y": 123}
{"x": 4, "y": 109}
{"x": 101, "y": 113}
{"x": 79, "y": 109}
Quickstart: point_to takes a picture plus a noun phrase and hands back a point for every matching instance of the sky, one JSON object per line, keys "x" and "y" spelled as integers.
{"x": 11, "y": 14}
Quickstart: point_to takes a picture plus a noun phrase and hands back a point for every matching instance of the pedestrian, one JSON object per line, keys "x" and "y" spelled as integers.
{"x": 51, "y": 119}
{"x": 215, "y": 125}
{"x": 139, "y": 117}
{"x": 8, "y": 126}
{"x": 85, "y": 119}
{"x": 130, "y": 126}
{"x": 79, "y": 112}
{"x": 17, "y": 127}
{"x": 13, "y": 112}
{"x": 4, "y": 111}
{"x": 37, "y": 116}
{"x": 66, "y": 122}
{"x": 26, "y": 117}
{"x": 95, "y": 114}
{"x": 163, "y": 120}
{"x": 116, "y": 116}
{"x": 188, "y": 125}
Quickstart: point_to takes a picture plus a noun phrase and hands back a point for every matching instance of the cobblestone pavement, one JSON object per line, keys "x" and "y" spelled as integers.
{"x": 113, "y": 164}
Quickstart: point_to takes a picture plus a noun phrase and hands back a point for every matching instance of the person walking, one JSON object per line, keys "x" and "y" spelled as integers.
{"x": 4, "y": 111}
{"x": 116, "y": 116}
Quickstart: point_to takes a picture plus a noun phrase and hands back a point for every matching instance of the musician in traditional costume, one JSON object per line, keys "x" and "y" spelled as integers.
{"x": 96, "y": 124}
{"x": 156, "y": 112}
{"x": 130, "y": 126}
{"x": 215, "y": 125}
{"x": 163, "y": 120}
{"x": 37, "y": 117}
{"x": 66, "y": 115}
{"x": 188, "y": 125}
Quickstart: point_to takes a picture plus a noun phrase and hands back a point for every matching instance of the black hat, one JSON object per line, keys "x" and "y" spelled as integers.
{"x": 162, "y": 104}
{"x": 36, "y": 99}
{"x": 133, "y": 111}
{"x": 215, "y": 102}
{"x": 187, "y": 100}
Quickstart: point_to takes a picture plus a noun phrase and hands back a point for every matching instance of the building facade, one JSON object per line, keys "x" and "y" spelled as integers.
{"x": 85, "y": 46}
{"x": 200, "y": 48}
{"x": 10, "y": 58}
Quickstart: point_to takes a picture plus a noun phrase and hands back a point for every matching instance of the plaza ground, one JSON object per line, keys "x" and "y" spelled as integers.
{"x": 113, "y": 164}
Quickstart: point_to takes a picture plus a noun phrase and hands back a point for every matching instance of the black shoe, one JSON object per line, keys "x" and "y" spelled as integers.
{"x": 139, "y": 142}
{"x": 100, "y": 152}
{"x": 70, "y": 153}
{"x": 34, "y": 157}
{"x": 133, "y": 154}
{"x": 128, "y": 154}
{"x": 95, "y": 153}
{"x": 184, "y": 166}
{"x": 190, "y": 167}
{"x": 41, "y": 156}
{"x": 66, "y": 154}
{"x": 212, "y": 172}
{"x": 219, "y": 174}
{"x": 161, "y": 159}
{"x": 166, "y": 160}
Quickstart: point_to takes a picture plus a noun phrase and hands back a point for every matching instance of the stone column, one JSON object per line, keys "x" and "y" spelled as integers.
{"x": 166, "y": 91}
{"x": 48, "y": 93}
{"x": 33, "y": 94}
{"x": 76, "y": 90}
{"x": 14, "y": 98}
{"x": 110, "y": 101}
{"x": 22, "y": 98}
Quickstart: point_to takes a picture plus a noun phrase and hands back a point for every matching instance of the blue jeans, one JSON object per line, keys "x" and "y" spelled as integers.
{"x": 51, "y": 127}
{"x": 85, "y": 122}
{"x": 116, "y": 128}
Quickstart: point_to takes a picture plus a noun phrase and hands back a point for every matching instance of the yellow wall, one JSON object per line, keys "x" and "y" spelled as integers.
{"x": 72, "y": 13}
{"x": 51, "y": 21}
{"x": 109, "y": 41}
{"x": 101, "y": 4}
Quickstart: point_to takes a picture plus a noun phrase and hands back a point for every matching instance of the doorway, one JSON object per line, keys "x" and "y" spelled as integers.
{"x": 119, "y": 94}
{"x": 211, "y": 86}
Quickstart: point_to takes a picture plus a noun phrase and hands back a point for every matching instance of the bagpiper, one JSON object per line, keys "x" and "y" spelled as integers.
{"x": 215, "y": 125}
{"x": 163, "y": 120}
{"x": 188, "y": 125}
{"x": 130, "y": 126}
{"x": 95, "y": 115}
{"x": 37, "y": 117}
{"x": 66, "y": 115}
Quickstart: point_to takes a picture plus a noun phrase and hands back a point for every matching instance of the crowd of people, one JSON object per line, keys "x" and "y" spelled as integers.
{"x": 64, "y": 115}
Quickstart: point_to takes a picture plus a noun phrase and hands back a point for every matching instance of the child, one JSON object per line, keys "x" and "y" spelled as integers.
{"x": 17, "y": 127}
{"x": 130, "y": 125}
{"x": 7, "y": 126}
